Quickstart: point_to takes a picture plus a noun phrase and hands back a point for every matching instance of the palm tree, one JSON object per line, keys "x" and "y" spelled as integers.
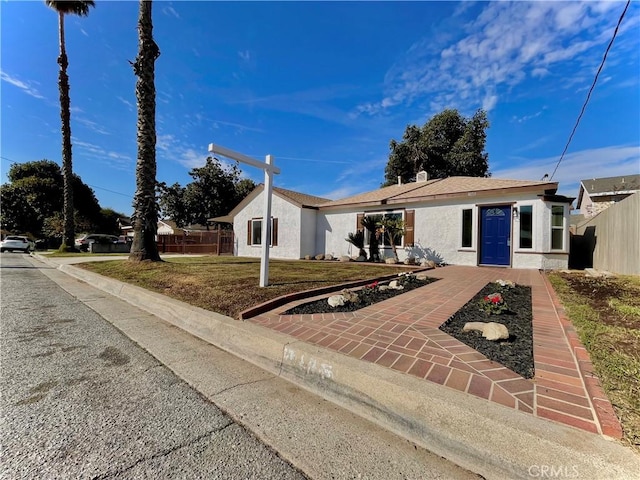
{"x": 393, "y": 229}
{"x": 357, "y": 240}
{"x": 370, "y": 222}
{"x": 80, "y": 8}
{"x": 145, "y": 217}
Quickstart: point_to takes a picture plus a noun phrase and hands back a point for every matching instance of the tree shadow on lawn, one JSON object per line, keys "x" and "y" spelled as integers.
{"x": 515, "y": 353}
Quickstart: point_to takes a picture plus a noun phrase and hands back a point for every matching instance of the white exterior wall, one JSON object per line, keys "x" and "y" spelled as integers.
{"x": 438, "y": 233}
{"x": 332, "y": 229}
{"x": 308, "y": 224}
{"x": 289, "y": 228}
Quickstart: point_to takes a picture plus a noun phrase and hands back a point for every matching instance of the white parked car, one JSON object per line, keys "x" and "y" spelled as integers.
{"x": 83, "y": 242}
{"x": 16, "y": 242}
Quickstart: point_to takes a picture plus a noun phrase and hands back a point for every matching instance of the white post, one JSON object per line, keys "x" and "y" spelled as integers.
{"x": 269, "y": 170}
{"x": 266, "y": 223}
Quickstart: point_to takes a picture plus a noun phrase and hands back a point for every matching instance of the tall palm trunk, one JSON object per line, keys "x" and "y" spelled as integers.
{"x": 145, "y": 217}
{"x": 68, "y": 238}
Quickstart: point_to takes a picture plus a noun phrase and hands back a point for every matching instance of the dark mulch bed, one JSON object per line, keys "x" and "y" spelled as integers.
{"x": 515, "y": 353}
{"x": 321, "y": 306}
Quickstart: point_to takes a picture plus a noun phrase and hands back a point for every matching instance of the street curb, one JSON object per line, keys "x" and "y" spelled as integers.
{"x": 484, "y": 437}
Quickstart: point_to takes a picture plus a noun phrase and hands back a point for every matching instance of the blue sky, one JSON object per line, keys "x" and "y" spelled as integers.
{"x": 323, "y": 87}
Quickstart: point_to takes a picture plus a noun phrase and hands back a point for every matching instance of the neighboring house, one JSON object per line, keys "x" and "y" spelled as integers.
{"x": 456, "y": 220}
{"x": 597, "y": 194}
{"x": 169, "y": 227}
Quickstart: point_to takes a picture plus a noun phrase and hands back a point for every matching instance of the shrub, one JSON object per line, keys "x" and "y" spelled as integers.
{"x": 493, "y": 304}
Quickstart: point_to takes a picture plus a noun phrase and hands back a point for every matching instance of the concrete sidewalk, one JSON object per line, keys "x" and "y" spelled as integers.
{"x": 483, "y": 436}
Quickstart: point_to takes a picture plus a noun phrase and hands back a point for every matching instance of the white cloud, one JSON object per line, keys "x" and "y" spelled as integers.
{"x": 117, "y": 160}
{"x": 24, "y": 86}
{"x": 507, "y": 43}
{"x": 170, "y": 11}
{"x": 92, "y": 126}
{"x": 127, "y": 103}
{"x": 608, "y": 161}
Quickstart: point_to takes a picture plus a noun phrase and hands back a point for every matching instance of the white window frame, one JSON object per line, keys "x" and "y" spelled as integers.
{"x": 461, "y": 230}
{"x": 384, "y": 238}
{"x": 563, "y": 228}
{"x": 255, "y": 221}
{"x": 533, "y": 227}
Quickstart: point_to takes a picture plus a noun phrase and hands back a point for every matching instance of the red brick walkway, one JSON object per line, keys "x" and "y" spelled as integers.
{"x": 402, "y": 333}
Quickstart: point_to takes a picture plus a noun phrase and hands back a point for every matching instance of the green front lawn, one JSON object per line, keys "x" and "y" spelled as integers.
{"x": 229, "y": 285}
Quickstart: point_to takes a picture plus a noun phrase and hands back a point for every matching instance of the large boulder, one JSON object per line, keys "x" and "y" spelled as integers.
{"x": 336, "y": 300}
{"x": 478, "y": 326}
{"x": 495, "y": 331}
{"x": 490, "y": 330}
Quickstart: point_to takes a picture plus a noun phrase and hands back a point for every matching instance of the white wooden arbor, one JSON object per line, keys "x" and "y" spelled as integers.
{"x": 269, "y": 170}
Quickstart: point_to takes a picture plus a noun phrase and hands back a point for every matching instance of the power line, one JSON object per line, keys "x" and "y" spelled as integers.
{"x": 584, "y": 106}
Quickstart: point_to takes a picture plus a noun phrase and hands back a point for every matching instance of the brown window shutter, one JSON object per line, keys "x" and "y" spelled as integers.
{"x": 248, "y": 232}
{"x": 274, "y": 232}
{"x": 409, "y": 222}
{"x": 359, "y": 221}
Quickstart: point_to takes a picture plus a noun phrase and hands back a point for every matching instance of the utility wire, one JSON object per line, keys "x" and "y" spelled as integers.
{"x": 584, "y": 106}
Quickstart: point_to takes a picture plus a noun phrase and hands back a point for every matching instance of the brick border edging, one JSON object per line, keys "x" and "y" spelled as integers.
{"x": 606, "y": 415}
{"x": 291, "y": 297}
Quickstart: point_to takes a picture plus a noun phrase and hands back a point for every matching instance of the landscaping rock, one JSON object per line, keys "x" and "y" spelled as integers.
{"x": 478, "y": 326}
{"x": 336, "y": 300}
{"x": 350, "y": 296}
{"x": 428, "y": 263}
{"x": 361, "y": 259}
{"x": 422, "y": 276}
{"x": 320, "y": 256}
{"x": 495, "y": 331}
{"x": 490, "y": 330}
{"x": 328, "y": 256}
{"x": 395, "y": 285}
{"x": 410, "y": 261}
{"x": 308, "y": 257}
{"x": 345, "y": 258}
{"x": 383, "y": 288}
{"x": 390, "y": 260}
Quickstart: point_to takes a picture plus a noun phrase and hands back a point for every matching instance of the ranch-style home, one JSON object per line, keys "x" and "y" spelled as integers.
{"x": 455, "y": 220}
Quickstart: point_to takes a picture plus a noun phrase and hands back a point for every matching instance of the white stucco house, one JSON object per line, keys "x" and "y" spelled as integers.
{"x": 455, "y": 220}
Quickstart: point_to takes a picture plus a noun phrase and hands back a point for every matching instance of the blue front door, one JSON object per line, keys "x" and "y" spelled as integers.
{"x": 495, "y": 235}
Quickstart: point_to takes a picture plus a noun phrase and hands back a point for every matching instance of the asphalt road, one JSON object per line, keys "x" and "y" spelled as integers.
{"x": 81, "y": 400}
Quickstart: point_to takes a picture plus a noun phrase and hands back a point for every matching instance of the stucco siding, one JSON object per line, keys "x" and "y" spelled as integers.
{"x": 289, "y": 228}
{"x": 308, "y": 232}
{"x": 437, "y": 230}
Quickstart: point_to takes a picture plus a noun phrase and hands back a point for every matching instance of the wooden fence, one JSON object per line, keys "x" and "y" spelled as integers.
{"x": 610, "y": 241}
{"x": 213, "y": 242}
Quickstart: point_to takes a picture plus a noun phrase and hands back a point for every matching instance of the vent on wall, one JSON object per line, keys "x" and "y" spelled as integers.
{"x": 422, "y": 176}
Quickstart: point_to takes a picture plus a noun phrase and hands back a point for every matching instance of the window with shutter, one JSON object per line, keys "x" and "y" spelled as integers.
{"x": 254, "y": 235}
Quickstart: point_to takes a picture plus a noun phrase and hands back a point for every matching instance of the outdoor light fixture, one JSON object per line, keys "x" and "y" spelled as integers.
{"x": 515, "y": 212}
{"x": 269, "y": 170}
